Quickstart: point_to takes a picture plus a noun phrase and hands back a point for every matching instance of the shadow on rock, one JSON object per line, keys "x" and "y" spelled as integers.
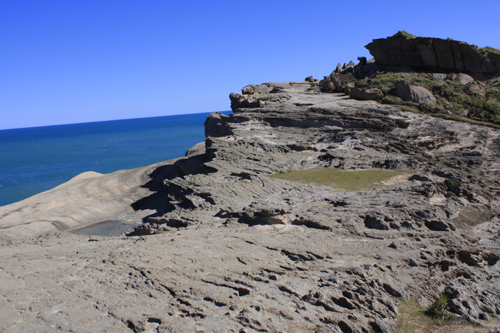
{"x": 166, "y": 195}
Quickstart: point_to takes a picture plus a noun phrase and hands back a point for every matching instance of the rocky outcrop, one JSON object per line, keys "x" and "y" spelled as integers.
{"x": 226, "y": 247}
{"x": 337, "y": 82}
{"x": 256, "y": 96}
{"x": 428, "y": 74}
{"x": 434, "y": 54}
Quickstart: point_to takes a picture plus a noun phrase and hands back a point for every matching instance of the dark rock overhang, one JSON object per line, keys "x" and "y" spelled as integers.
{"x": 434, "y": 54}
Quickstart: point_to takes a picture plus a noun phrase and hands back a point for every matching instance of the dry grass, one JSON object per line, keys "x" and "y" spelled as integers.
{"x": 412, "y": 319}
{"x": 345, "y": 181}
{"x": 455, "y": 101}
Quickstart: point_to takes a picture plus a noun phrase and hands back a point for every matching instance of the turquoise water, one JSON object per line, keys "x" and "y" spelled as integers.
{"x": 33, "y": 160}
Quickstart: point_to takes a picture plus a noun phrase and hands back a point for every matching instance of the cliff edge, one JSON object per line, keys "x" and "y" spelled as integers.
{"x": 302, "y": 211}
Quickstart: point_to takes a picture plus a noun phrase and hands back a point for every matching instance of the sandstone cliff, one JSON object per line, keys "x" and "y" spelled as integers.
{"x": 243, "y": 235}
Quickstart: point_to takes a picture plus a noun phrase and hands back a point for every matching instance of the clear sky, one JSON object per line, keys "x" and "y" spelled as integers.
{"x": 75, "y": 61}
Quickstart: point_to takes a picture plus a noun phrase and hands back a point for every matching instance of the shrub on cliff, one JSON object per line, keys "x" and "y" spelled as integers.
{"x": 489, "y": 49}
{"x": 403, "y": 34}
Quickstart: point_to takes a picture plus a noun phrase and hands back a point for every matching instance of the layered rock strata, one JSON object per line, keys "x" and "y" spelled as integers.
{"x": 434, "y": 54}
{"x": 227, "y": 248}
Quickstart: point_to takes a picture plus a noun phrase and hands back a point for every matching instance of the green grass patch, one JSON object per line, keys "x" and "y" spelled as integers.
{"x": 344, "y": 181}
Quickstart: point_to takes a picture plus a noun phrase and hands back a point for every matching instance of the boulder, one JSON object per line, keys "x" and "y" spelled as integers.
{"x": 415, "y": 94}
{"x": 422, "y": 95}
{"x": 348, "y": 87}
{"x": 216, "y": 126}
{"x": 341, "y": 80}
{"x": 440, "y": 77}
{"x": 336, "y": 82}
{"x": 326, "y": 85}
{"x": 460, "y": 78}
{"x": 365, "y": 93}
{"x": 239, "y": 101}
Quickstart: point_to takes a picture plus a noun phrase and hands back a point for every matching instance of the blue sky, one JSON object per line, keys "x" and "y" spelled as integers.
{"x": 86, "y": 60}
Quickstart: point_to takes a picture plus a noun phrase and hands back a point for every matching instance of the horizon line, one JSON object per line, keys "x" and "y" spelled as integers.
{"x": 109, "y": 120}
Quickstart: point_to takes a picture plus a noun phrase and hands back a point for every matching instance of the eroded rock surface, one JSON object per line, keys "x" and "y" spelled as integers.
{"x": 228, "y": 248}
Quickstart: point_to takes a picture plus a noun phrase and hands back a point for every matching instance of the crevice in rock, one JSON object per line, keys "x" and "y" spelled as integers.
{"x": 311, "y": 224}
{"x": 217, "y": 303}
{"x": 240, "y": 290}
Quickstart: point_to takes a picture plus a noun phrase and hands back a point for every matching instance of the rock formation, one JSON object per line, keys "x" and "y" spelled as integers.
{"x": 428, "y": 74}
{"x": 434, "y": 54}
{"x": 228, "y": 248}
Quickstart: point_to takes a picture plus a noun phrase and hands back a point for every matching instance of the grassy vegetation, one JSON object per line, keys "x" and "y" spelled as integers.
{"x": 344, "y": 181}
{"x": 453, "y": 98}
{"x": 439, "y": 309}
{"x": 404, "y": 34}
{"x": 413, "y": 317}
{"x": 490, "y": 49}
{"x": 472, "y": 216}
{"x": 452, "y": 116}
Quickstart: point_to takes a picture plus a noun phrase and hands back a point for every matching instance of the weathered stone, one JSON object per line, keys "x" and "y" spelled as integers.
{"x": 310, "y": 79}
{"x": 340, "y": 81}
{"x": 439, "y": 77}
{"x": 216, "y": 126}
{"x": 365, "y": 93}
{"x": 253, "y": 89}
{"x": 415, "y": 94}
{"x": 326, "y": 85}
{"x": 422, "y": 95}
{"x": 460, "y": 78}
{"x": 239, "y": 101}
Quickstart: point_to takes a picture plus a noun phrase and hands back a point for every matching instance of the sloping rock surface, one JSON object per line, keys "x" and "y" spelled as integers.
{"x": 87, "y": 198}
{"x": 226, "y": 248}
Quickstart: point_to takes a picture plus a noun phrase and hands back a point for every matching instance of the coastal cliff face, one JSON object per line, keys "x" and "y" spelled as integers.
{"x": 302, "y": 211}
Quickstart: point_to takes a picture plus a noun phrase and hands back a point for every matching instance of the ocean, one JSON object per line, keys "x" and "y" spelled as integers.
{"x": 33, "y": 160}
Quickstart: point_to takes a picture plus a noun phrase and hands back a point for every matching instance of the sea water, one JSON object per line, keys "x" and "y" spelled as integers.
{"x": 33, "y": 160}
